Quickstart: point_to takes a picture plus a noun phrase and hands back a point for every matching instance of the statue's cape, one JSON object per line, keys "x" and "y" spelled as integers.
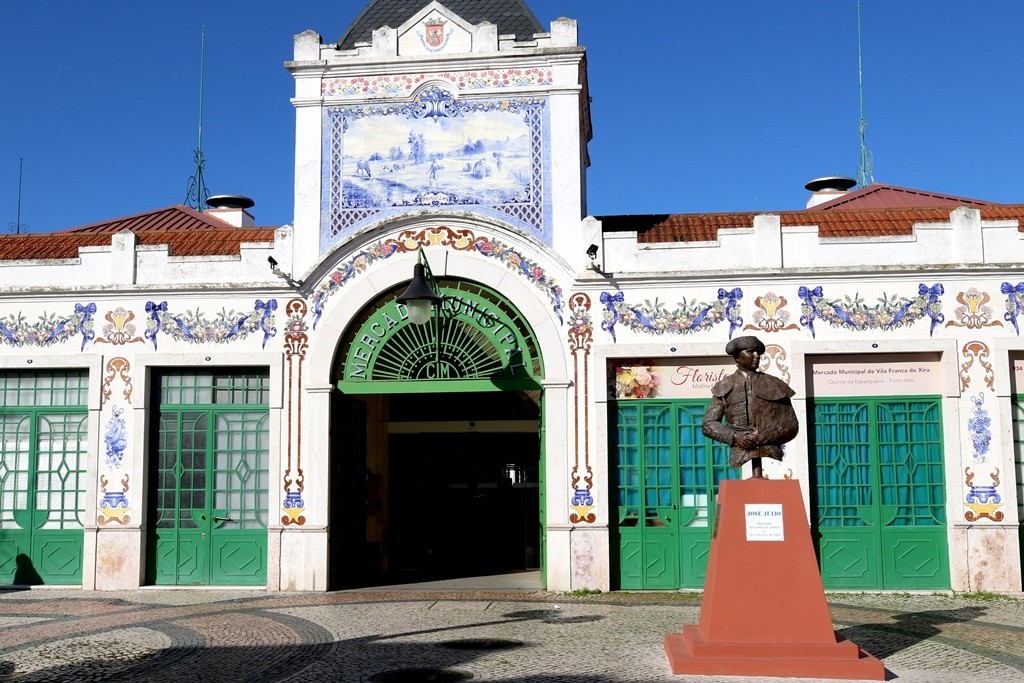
{"x": 767, "y": 387}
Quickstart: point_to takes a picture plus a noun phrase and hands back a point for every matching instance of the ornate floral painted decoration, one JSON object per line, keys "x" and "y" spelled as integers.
{"x": 116, "y": 438}
{"x": 296, "y": 341}
{"x": 195, "y": 328}
{"x": 809, "y": 306}
{"x": 117, "y": 367}
{"x": 770, "y": 315}
{"x": 267, "y": 319}
{"x": 581, "y": 336}
{"x": 119, "y": 329}
{"x": 973, "y": 313}
{"x": 113, "y": 505}
{"x": 890, "y": 312}
{"x": 655, "y": 318}
{"x": 976, "y": 350}
{"x": 983, "y": 501}
{"x": 403, "y": 84}
{"x": 458, "y": 240}
{"x": 979, "y": 426}
{"x": 50, "y": 329}
{"x": 773, "y": 353}
{"x": 1014, "y": 303}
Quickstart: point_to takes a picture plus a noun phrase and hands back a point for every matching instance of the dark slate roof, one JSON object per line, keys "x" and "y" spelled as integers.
{"x": 511, "y": 16}
{"x": 185, "y": 231}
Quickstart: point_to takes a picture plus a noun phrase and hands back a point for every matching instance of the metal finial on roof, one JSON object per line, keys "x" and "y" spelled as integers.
{"x": 196, "y": 193}
{"x": 17, "y": 227}
{"x": 865, "y": 174}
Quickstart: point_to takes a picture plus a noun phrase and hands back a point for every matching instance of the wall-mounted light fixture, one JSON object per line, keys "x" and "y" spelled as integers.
{"x": 281, "y": 274}
{"x": 592, "y": 253}
{"x": 419, "y": 297}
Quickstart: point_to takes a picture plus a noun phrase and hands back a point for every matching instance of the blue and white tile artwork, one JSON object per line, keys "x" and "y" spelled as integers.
{"x": 435, "y": 151}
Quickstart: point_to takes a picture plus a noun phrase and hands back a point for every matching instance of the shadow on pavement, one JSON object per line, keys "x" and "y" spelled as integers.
{"x": 319, "y": 659}
{"x": 906, "y": 629}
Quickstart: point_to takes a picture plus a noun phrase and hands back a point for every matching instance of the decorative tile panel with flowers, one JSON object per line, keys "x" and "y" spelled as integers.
{"x": 654, "y": 317}
{"x": 889, "y": 312}
{"x": 441, "y": 236}
{"x": 403, "y": 84}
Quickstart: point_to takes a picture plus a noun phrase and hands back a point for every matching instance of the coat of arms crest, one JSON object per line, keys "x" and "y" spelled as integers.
{"x": 434, "y": 36}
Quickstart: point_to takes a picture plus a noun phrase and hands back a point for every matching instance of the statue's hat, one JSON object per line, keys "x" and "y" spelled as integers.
{"x": 738, "y": 344}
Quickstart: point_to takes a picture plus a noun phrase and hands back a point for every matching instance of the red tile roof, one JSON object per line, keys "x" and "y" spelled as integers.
{"x": 863, "y": 215}
{"x": 185, "y": 231}
{"x": 862, "y": 223}
{"x": 881, "y": 196}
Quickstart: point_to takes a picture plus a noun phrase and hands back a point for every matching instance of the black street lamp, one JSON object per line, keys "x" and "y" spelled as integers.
{"x": 419, "y": 297}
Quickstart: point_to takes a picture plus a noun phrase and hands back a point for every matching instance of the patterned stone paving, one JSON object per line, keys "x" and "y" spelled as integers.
{"x": 197, "y": 635}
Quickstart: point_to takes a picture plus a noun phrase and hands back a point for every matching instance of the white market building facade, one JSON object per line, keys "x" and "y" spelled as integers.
{"x": 174, "y": 412}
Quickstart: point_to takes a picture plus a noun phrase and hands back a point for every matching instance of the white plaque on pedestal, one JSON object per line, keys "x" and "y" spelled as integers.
{"x": 764, "y": 522}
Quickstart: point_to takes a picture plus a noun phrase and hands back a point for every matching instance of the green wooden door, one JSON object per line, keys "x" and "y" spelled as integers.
{"x": 703, "y": 465}
{"x": 43, "y": 435}
{"x": 667, "y": 473}
{"x": 879, "y": 493}
{"x": 209, "y": 497}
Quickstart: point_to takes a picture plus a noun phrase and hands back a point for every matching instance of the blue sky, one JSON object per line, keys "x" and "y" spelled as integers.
{"x": 697, "y": 106}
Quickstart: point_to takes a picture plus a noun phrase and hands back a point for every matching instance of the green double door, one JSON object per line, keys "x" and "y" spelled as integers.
{"x": 667, "y": 475}
{"x": 209, "y": 490}
{"x": 43, "y": 437}
{"x": 879, "y": 494}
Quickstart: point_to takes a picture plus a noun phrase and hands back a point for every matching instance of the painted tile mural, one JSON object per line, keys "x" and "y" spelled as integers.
{"x": 436, "y": 150}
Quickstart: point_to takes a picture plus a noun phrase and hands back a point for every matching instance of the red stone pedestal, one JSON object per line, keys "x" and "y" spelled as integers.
{"x": 764, "y": 611}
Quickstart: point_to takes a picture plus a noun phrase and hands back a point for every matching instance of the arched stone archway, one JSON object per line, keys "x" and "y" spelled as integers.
{"x": 319, "y": 419}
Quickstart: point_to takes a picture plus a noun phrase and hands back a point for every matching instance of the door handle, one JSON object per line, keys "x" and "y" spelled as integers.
{"x": 222, "y": 519}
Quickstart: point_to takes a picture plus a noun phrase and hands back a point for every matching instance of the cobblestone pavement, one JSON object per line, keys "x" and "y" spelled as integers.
{"x": 238, "y": 636}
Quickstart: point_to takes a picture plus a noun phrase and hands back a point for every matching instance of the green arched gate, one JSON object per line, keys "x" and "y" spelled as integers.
{"x": 475, "y": 483}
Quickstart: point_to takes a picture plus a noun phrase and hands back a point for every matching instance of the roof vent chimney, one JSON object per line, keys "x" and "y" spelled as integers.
{"x": 231, "y": 208}
{"x": 828, "y": 188}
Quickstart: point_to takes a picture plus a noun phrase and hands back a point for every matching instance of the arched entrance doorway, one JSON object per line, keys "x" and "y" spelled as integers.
{"x": 436, "y": 467}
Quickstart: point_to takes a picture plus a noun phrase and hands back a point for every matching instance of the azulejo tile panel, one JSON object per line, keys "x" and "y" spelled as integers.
{"x": 484, "y": 154}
